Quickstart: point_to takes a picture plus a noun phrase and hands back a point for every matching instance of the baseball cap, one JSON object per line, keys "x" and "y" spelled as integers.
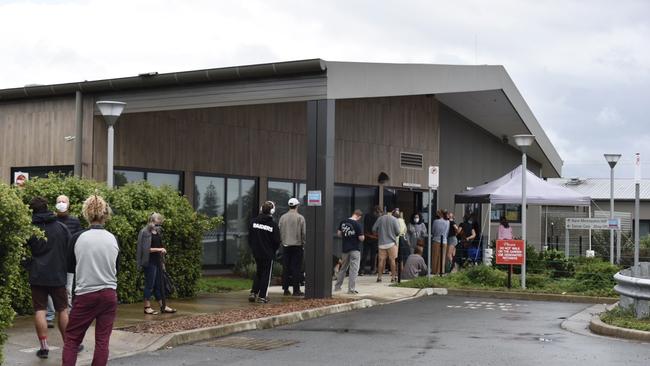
{"x": 293, "y": 202}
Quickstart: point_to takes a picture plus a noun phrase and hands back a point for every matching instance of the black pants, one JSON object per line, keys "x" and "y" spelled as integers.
{"x": 369, "y": 256}
{"x": 262, "y": 279}
{"x": 291, "y": 266}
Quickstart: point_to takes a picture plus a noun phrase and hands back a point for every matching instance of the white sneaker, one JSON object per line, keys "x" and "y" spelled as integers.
{"x": 353, "y": 292}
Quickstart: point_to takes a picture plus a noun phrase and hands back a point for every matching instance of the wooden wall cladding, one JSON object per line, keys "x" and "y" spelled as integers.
{"x": 33, "y": 133}
{"x": 371, "y": 133}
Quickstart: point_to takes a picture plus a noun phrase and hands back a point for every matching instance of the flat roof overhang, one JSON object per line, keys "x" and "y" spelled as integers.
{"x": 483, "y": 94}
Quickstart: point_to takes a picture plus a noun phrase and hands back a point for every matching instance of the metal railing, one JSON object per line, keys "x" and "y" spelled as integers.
{"x": 633, "y": 284}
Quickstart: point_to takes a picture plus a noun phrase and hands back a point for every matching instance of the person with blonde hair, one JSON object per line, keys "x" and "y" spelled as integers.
{"x": 150, "y": 256}
{"x": 93, "y": 258}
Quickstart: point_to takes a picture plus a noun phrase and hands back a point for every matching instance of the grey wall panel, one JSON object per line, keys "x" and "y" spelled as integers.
{"x": 223, "y": 94}
{"x": 470, "y": 156}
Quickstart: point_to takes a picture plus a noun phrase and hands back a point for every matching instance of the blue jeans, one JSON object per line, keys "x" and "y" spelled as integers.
{"x": 152, "y": 281}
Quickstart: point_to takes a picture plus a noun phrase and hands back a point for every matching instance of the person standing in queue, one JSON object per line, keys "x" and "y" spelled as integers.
{"x": 439, "y": 233}
{"x": 264, "y": 240}
{"x": 74, "y": 226}
{"x": 150, "y": 256}
{"x": 93, "y": 258}
{"x": 293, "y": 232}
{"x": 388, "y": 230}
{"x": 352, "y": 233}
{"x": 47, "y": 271}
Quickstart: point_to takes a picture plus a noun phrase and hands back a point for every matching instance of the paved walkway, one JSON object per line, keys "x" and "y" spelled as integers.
{"x": 22, "y": 344}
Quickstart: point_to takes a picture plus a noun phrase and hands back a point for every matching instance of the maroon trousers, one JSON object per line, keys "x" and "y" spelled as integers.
{"x": 99, "y": 306}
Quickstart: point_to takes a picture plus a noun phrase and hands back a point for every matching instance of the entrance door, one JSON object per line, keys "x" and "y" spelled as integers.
{"x": 409, "y": 202}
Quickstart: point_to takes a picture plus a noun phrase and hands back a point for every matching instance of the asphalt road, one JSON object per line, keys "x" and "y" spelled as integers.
{"x": 437, "y": 330}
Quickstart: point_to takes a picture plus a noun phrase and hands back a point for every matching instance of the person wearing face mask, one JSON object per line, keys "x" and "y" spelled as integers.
{"x": 74, "y": 226}
{"x": 417, "y": 231}
{"x": 264, "y": 240}
{"x": 150, "y": 256}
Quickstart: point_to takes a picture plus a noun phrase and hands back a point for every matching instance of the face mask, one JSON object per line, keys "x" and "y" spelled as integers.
{"x": 62, "y": 207}
{"x": 416, "y": 220}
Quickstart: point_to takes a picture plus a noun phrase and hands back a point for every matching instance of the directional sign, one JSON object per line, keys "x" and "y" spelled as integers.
{"x": 585, "y": 223}
{"x": 510, "y": 252}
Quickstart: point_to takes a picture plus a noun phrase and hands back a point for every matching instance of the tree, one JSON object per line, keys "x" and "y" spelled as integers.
{"x": 210, "y": 205}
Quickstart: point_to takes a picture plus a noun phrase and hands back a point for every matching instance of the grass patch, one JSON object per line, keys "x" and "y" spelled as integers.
{"x": 625, "y": 318}
{"x": 211, "y": 285}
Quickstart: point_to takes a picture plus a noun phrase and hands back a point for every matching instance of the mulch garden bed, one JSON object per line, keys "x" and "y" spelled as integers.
{"x": 255, "y": 311}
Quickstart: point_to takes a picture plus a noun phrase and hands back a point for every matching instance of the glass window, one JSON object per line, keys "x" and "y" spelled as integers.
{"x": 644, "y": 228}
{"x": 209, "y": 195}
{"x": 157, "y": 179}
{"x": 241, "y": 196}
{"x": 280, "y": 193}
{"x": 160, "y": 179}
{"x": 512, "y": 212}
{"x": 365, "y": 199}
{"x": 236, "y": 200}
{"x": 301, "y": 195}
{"x": 122, "y": 177}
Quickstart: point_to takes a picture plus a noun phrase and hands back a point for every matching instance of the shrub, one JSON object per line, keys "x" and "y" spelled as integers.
{"x": 486, "y": 276}
{"x": 132, "y": 204}
{"x": 595, "y": 277}
{"x": 15, "y": 229}
{"x": 559, "y": 266}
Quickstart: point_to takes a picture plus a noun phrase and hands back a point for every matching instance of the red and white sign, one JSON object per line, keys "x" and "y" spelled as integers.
{"x": 510, "y": 252}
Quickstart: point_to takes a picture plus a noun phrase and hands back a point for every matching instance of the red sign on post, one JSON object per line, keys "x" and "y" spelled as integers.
{"x": 510, "y": 252}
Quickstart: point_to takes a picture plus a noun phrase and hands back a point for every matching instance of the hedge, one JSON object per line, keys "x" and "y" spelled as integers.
{"x": 15, "y": 229}
{"x": 132, "y": 204}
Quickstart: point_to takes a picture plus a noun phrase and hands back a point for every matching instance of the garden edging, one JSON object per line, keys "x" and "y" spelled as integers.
{"x": 599, "y": 327}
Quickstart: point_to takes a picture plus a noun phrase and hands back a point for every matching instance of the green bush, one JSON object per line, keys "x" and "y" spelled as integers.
{"x": 559, "y": 266}
{"x": 15, "y": 229}
{"x": 595, "y": 277}
{"x": 486, "y": 276}
{"x": 132, "y": 204}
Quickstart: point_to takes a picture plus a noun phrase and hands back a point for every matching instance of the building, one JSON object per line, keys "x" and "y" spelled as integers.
{"x": 230, "y": 138}
{"x": 599, "y": 191}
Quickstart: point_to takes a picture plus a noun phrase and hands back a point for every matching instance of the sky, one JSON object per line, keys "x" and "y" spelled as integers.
{"x": 582, "y": 66}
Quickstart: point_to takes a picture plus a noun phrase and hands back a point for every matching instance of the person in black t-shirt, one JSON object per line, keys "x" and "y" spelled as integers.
{"x": 352, "y": 233}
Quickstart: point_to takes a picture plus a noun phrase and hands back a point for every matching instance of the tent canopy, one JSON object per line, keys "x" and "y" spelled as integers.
{"x": 507, "y": 189}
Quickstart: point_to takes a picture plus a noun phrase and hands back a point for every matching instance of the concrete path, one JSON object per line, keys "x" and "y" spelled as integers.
{"x": 22, "y": 344}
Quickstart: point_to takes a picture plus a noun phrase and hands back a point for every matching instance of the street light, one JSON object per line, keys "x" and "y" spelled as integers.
{"x": 111, "y": 112}
{"x": 612, "y": 159}
{"x": 523, "y": 141}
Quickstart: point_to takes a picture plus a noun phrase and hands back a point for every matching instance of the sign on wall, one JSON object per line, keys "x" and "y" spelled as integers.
{"x": 510, "y": 252}
{"x": 314, "y": 198}
{"x": 20, "y": 178}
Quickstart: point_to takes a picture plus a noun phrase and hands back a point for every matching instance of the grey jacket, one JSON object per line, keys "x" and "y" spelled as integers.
{"x": 292, "y": 229}
{"x": 144, "y": 247}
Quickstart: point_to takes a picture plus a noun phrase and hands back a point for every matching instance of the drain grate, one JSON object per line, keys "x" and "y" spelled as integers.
{"x": 255, "y": 344}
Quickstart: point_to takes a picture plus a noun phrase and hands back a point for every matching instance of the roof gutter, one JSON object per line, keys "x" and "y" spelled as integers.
{"x": 146, "y": 81}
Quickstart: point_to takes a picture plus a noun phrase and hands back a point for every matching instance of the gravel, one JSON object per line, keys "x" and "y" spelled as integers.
{"x": 230, "y": 316}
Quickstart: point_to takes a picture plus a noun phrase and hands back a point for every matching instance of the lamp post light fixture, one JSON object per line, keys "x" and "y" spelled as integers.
{"x": 612, "y": 159}
{"x": 523, "y": 142}
{"x": 111, "y": 111}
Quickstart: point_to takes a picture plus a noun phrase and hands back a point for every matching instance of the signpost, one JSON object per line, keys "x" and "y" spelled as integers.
{"x": 510, "y": 252}
{"x": 434, "y": 181}
{"x": 637, "y": 188}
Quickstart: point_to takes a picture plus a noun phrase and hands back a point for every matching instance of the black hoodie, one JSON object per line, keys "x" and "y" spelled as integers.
{"x": 264, "y": 237}
{"x": 48, "y": 264}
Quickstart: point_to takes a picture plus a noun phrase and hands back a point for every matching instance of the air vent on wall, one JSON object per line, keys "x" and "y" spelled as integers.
{"x": 411, "y": 160}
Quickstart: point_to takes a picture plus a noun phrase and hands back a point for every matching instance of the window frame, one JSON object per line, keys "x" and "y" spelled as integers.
{"x": 51, "y": 168}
